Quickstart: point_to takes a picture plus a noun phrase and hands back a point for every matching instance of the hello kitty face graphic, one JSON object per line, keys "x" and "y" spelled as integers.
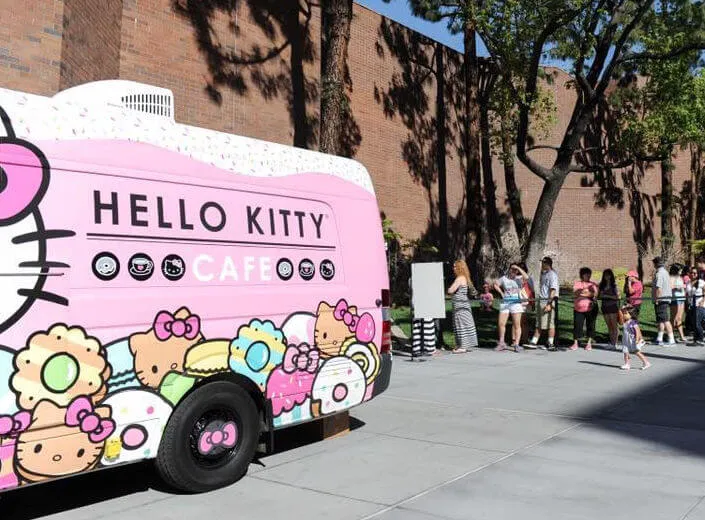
{"x": 24, "y": 267}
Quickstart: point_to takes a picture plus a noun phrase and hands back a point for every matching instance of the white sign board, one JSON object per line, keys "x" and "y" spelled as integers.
{"x": 427, "y": 290}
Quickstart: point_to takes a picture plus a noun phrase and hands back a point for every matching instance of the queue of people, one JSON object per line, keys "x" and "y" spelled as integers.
{"x": 678, "y": 294}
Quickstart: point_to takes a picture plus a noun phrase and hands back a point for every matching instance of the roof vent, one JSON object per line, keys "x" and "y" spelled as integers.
{"x": 122, "y": 94}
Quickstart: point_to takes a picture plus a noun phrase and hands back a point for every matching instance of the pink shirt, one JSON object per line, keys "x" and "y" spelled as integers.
{"x": 583, "y": 304}
{"x": 637, "y": 290}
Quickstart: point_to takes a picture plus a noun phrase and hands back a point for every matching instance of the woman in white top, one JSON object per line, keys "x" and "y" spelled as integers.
{"x": 509, "y": 288}
{"x": 677, "y": 301}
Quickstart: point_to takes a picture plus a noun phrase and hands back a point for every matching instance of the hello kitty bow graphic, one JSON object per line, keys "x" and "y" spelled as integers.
{"x": 302, "y": 357}
{"x": 81, "y": 413}
{"x": 363, "y": 326}
{"x": 24, "y": 175}
{"x": 225, "y": 436}
{"x": 167, "y": 325}
{"x": 13, "y": 425}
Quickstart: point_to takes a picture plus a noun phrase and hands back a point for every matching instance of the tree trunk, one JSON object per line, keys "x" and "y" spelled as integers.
{"x": 473, "y": 188}
{"x": 494, "y": 225}
{"x": 542, "y": 219}
{"x": 298, "y": 110}
{"x": 695, "y": 158}
{"x": 667, "y": 237}
{"x": 513, "y": 193}
{"x": 335, "y": 26}
{"x": 441, "y": 152}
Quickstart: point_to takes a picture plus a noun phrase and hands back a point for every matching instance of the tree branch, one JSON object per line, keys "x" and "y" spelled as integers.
{"x": 642, "y": 56}
{"x": 577, "y": 168}
{"x": 619, "y": 47}
{"x": 542, "y": 147}
{"x": 530, "y": 92}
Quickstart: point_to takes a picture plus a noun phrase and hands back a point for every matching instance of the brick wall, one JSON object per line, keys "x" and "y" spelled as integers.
{"x": 90, "y": 48}
{"x": 30, "y": 45}
{"x": 242, "y": 72}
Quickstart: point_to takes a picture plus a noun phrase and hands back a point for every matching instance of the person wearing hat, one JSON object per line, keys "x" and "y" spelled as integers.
{"x": 662, "y": 295}
{"x": 545, "y": 310}
{"x": 633, "y": 291}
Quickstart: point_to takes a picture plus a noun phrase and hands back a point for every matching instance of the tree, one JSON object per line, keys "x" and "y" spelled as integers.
{"x": 504, "y": 124}
{"x": 601, "y": 38}
{"x": 335, "y": 36}
{"x": 665, "y": 113}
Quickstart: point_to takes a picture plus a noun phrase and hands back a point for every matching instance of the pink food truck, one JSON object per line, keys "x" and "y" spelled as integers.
{"x": 174, "y": 293}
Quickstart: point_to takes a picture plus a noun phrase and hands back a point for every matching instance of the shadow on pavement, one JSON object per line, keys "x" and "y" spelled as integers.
{"x": 80, "y": 491}
{"x": 29, "y": 503}
{"x": 669, "y": 413}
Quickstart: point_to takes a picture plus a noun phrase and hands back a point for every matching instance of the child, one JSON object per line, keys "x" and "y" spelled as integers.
{"x": 632, "y": 341}
{"x": 486, "y": 298}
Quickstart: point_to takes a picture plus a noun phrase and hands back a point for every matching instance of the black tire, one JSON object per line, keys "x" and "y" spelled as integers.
{"x": 180, "y": 461}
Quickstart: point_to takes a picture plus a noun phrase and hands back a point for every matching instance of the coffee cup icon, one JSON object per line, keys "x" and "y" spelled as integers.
{"x": 141, "y": 266}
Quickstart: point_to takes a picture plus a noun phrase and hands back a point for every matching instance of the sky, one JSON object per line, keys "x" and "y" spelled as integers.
{"x": 398, "y": 10}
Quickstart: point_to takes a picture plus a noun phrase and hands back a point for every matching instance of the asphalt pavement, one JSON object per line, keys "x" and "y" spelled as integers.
{"x": 483, "y": 435}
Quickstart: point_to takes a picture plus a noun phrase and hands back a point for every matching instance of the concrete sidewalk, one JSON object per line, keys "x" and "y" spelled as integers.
{"x": 483, "y": 435}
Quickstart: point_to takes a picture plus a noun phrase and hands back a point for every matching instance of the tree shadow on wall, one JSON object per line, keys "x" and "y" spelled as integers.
{"x": 603, "y": 148}
{"x": 276, "y": 70}
{"x": 432, "y": 124}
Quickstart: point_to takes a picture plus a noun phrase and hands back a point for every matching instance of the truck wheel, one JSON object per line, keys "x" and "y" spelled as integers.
{"x": 210, "y": 438}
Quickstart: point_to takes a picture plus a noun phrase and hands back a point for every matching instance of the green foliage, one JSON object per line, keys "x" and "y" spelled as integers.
{"x": 505, "y": 115}
{"x": 698, "y": 247}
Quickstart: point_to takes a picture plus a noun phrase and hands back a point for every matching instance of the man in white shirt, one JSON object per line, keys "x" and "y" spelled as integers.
{"x": 545, "y": 306}
{"x": 662, "y": 294}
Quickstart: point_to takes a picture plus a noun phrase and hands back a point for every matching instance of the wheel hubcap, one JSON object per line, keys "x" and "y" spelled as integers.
{"x": 215, "y": 438}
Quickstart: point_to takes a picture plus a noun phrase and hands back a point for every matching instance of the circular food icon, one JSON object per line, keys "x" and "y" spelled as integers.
{"x": 105, "y": 266}
{"x": 307, "y": 269}
{"x": 327, "y": 270}
{"x": 173, "y": 267}
{"x": 141, "y": 267}
{"x": 285, "y": 269}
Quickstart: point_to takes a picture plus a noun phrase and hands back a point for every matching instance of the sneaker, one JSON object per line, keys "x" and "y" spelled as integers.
{"x": 518, "y": 348}
{"x": 659, "y": 343}
{"x": 574, "y": 346}
{"x": 626, "y": 366}
{"x": 670, "y": 344}
{"x": 500, "y": 347}
{"x": 588, "y": 347}
{"x": 646, "y": 366}
{"x": 700, "y": 343}
{"x": 552, "y": 348}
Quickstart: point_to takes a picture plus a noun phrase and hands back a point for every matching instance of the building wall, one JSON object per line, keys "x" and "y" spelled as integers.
{"x": 254, "y": 73}
{"x": 30, "y": 45}
{"x": 90, "y": 49}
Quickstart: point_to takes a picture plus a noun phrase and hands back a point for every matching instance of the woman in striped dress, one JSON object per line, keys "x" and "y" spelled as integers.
{"x": 463, "y": 322}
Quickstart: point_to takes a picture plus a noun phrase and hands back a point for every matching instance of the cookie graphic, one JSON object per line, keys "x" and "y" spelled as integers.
{"x": 58, "y": 366}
